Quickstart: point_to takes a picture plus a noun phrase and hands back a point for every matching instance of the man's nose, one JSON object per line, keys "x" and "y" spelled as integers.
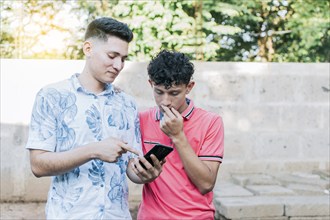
{"x": 166, "y": 100}
{"x": 118, "y": 64}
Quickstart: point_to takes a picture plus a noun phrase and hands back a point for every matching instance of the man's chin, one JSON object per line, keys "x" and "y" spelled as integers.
{"x": 109, "y": 80}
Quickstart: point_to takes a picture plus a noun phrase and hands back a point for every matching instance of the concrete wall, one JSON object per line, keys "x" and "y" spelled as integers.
{"x": 276, "y": 116}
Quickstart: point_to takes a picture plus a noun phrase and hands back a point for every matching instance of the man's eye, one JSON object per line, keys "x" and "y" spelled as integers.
{"x": 111, "y": 56}
{"x": 175, "y": 93}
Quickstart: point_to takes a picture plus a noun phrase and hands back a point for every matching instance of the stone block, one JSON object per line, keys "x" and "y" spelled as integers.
{"x": 249, "y": 118}
{"x": 306, "y": 205}
{"x": 315, "y": 145}
{"x": 302, "y": 69}
{"x": 240, "y": 146}
{"x": 276, "y": 146}
{"x": 227, "y": 189}
{"x": 315, "y": 89}
{"x": 269, "y": 190}
{"x": 277, "y": 88}
{"x": 254, "y": 179}
{"x": 201, "y": 92}
{"x": 231, "y": 87}
{"x": 305, "y": 189}
{"x": 310, "y": 218}
{"x": 249, "y": 207}
{"x": 302, "y": 178}
{"x": 301, "y": 118}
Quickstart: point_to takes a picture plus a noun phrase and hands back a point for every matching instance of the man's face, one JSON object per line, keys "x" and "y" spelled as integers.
{"x": 106, "y": 59}
{"x": 175, "y": 96}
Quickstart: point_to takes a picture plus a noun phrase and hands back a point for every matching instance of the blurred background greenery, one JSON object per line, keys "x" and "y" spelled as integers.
{"x": 207, "y": 30}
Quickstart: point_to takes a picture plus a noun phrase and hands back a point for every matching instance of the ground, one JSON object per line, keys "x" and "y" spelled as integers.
{"x": 33, "y": 211}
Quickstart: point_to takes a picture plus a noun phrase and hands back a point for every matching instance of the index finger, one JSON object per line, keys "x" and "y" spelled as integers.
{"x": 168, "y": 112}
{"x": 175, "y": 112}
{"x": 130, "y": 149}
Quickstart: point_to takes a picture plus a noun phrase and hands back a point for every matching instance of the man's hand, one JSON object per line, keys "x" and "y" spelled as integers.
{"x": 110, "y": 149}
{"x": 172, "y": 122}
{"x": 149, "y": 173}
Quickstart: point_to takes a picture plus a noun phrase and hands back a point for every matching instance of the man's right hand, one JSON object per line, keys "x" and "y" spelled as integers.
{"x": 45, "y": 163}
{"x": 110, "y": 149}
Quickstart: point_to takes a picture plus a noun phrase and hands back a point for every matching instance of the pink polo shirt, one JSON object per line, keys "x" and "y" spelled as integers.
{"x": 172, "y": 195}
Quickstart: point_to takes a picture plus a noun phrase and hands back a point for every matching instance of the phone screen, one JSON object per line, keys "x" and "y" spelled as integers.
{"x": 160, "y": 151}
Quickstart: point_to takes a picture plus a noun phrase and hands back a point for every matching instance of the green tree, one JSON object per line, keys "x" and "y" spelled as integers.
{"x": 210, "y": 30}
{"x": 276, "y": 30}
{"x": 187, "y": 26}
{"x": 24, "y": 24}
{"x": 309, "y": 27}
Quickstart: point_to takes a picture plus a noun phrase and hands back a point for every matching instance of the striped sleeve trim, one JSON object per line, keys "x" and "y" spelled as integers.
{"x": 150, "y": 142}
{"x": 213, "y": 158}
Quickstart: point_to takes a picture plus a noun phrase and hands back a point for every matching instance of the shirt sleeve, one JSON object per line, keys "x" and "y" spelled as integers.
{"x": 42, "y": 132}
{"x": 213, "y": 144}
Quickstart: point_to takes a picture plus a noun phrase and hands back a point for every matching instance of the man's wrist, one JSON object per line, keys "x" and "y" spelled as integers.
{"x": 180, "y": 138}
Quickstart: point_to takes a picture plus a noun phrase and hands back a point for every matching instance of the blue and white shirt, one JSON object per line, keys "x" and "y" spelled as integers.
{"x": 66, "y": 116}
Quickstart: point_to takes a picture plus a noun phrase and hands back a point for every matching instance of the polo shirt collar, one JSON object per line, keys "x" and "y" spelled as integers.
{"x": 79, "y": 88}
{"x": 186, "y": 114}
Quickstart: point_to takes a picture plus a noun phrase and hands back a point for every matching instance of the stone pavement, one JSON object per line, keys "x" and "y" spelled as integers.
{"x": 35, "y": 211}
{"x": 274, "y": 196}
{"x": 254, "y": 196}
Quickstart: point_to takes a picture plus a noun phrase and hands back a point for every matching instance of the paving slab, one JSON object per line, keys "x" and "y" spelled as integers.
{"x": 249, "y": 207}
{"x": 269, "y": 190}
{"x": 311, "y": 218}
{"x": 273, "y": 206}
{"x": 301, "y": 178}
{"x": 290, "y": 196}
{"x": 228, "y": 189}
{"x": 306, "y": 205}
{"x": 254, "y": 179}
{"x": 306, "y": 189}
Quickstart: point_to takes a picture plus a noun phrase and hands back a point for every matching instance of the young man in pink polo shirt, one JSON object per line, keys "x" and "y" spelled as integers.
{"x": 184, "y": 188}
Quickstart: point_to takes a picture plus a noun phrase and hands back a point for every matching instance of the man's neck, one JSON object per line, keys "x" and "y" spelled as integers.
{"x": 90, "y": 84}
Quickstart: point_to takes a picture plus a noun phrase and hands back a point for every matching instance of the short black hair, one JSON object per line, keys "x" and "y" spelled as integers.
{"x": 104, "y": 27}
{"x": 170, "y": 68}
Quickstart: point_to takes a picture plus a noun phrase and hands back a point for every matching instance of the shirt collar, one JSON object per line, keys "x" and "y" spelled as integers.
{"x": 186, "y": 114}
{"x": 79, "y": 88}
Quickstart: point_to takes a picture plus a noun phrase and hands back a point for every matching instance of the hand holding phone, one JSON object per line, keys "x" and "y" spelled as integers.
{"x": 160, "y": 151}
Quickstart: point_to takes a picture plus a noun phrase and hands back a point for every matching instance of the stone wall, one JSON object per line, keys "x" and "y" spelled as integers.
{"x": 276, "y": 115}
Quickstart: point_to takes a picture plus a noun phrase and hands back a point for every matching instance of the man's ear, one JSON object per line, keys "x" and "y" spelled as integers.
{"x": 190, "y": 86}
{"x": 150, "y": 82}
{"x": 87, "y": 48}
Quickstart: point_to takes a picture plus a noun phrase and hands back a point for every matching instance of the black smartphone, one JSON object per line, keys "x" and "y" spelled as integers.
{"x": 160, "y": 151}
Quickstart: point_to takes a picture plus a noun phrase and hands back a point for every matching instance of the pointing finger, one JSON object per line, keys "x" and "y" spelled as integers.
{"x": 130, "y": 149}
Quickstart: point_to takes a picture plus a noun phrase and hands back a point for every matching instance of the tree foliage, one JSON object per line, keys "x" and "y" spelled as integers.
{"x": 210, "y": 30}
{"x": 277, "y": 30}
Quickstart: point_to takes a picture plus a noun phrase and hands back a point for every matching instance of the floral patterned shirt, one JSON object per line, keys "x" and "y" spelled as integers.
{"x": 66, "y": 116}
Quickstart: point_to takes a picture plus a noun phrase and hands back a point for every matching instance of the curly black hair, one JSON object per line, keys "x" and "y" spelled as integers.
{"x": 170, "y": 68}
{"x": 104, "y": 27}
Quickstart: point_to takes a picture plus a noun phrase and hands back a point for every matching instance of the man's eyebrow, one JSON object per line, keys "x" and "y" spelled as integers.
{"x": 171, "y": 90}
{"x": 117, "y": 54}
